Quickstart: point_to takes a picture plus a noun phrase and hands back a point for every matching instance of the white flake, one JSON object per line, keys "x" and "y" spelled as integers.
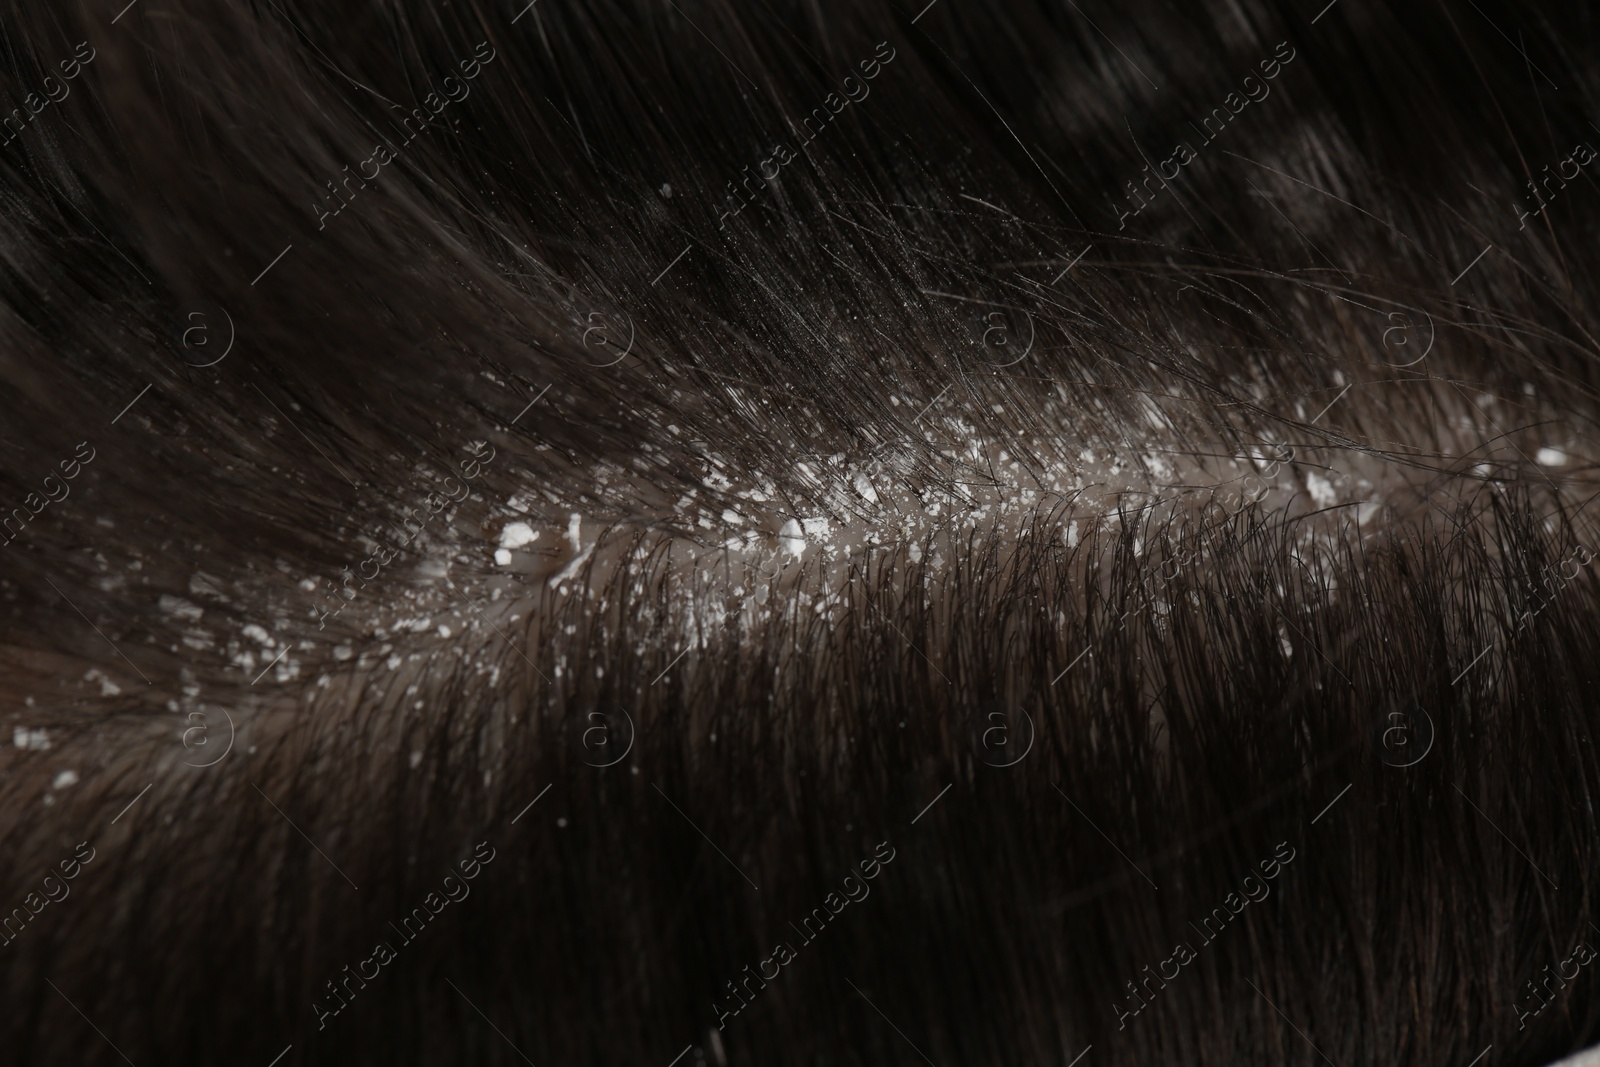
{"x": 108, "y": 688}
{"x": 792, "y": 538}
{"x": 1321, "y": 489}
{"x": 34, "y": 740}
{"x": 517, "y": 534}
{"x": 174, "y": 605}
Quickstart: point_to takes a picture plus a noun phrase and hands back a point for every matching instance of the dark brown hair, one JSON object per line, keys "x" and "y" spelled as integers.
{"x": 510, "y": 512}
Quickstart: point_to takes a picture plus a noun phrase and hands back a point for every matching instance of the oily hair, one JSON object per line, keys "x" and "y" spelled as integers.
{"x": 1041, "y": 533}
